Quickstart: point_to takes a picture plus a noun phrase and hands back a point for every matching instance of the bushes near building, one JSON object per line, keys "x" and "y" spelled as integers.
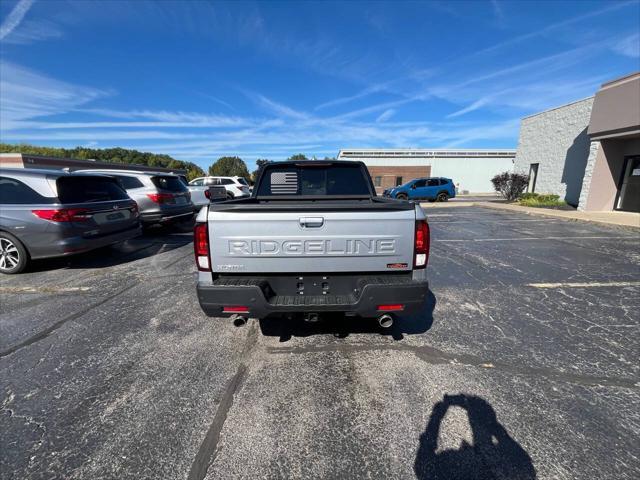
{"x": 510, "y": 185}
{"x": 541, "y": 200}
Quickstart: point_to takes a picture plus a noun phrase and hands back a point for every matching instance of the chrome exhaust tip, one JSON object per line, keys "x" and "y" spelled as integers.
{"x": 386, "y": 320}
{"x": 238, "y": 320}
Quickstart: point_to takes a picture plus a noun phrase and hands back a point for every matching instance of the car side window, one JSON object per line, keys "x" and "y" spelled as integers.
{"x": 198, "y": 183}
{"x": 419, "y": 184}
{"x": 14, "y": 192}
{"x": 129, "y": 182}
{"x": 226, "y": 181}
{"x": 433, "y": 182}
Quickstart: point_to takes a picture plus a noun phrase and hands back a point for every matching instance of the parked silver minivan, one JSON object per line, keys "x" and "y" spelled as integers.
{"x": 161, "y": 197}
{"x": 53, "y": 213}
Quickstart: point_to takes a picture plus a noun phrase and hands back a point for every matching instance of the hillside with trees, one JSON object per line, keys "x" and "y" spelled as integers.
{"x": 114, "y": 155}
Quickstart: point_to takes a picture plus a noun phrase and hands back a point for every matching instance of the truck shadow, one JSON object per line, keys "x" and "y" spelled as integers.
{"x": 493, "y": 455}
{"x": 339, "y": 325}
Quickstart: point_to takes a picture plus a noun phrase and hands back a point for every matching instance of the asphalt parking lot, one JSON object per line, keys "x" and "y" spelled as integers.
{"x": 524, "y": 364}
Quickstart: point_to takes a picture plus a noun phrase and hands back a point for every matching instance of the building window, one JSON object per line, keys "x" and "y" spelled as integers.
{"x": 398, "y": 181}
{"x": 533, "y": 176}
{"x": 377, "y": 181}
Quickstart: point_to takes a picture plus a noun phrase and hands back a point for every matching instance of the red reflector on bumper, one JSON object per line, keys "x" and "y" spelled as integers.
{"x": 235, "y": 309}
{"x": 390, "y": 308}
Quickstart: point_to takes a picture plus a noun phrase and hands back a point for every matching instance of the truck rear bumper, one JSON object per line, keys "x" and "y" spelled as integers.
{"x": 215, "y": 296}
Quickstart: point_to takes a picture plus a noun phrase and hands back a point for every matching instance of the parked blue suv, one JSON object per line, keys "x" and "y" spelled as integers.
{"x": 433, "y": 189}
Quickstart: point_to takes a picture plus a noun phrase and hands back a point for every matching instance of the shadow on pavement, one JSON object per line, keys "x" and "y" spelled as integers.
{"x": 341, "y": 326}
{"x": 151, "y": 242}
{"x": 493, "y": 455}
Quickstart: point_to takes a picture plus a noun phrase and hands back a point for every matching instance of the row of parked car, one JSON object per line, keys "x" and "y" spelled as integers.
{"x": 53, "y": 213}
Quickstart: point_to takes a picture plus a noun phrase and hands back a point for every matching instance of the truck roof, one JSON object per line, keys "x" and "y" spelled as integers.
{"x": 317, "y": 163}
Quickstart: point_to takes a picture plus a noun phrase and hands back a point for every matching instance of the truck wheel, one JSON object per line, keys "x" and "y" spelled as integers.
{"x": 13, "y": 256}
{"x": 442, "y": 197}
{"x": 401, "y": 196}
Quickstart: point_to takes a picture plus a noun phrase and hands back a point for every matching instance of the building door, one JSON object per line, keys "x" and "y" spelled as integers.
{"x": 533, "y": 176}
{"x": 629, "y": 188}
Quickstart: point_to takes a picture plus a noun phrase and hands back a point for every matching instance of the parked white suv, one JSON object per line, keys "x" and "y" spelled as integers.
{"x": 237, "y": 187}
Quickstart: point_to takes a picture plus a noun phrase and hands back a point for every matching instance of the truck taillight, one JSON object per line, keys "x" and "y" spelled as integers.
{"x": 421, "y": 246}
{"x": 201, "y": 247}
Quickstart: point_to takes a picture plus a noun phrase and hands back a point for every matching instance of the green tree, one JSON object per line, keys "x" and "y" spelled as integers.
{"x": 229, "y": 167}
{"x": 260, "y": 163}
{"x": 298, "y": 156}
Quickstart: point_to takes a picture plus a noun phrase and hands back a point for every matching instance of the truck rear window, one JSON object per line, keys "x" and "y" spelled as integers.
{"x": 171, "y": 183}
{"x": 339, "y": 180}
{"x": 83, "y": 189}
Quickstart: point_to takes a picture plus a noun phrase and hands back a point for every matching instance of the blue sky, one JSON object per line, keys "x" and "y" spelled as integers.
{"x": 199, "y": 79}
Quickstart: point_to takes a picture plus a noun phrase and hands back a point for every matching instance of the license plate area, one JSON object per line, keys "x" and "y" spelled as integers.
{"x": 313, "y": 285}
{"x": 111, "y": 217}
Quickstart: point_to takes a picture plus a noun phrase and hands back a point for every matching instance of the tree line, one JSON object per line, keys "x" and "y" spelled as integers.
{"x": 223, "y": 167}
{"x": 113, "y": 155}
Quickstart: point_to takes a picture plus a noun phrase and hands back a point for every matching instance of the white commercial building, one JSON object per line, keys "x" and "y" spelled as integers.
{"x": 470, "y": 170}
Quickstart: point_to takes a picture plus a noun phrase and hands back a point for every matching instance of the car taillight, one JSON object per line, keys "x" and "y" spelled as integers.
{"x": 63, "y": 214}
{"x": 201, "y": 247}
{"x": 207, "y": 194}
{"x": 161, "y": 197}
{"x": 421, "y": 245}
{"x": 135, "y": 211}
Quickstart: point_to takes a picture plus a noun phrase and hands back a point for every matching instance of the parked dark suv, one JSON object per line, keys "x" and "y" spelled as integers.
{"x": 161, "y": 197}
{"x": 52, "y": 213}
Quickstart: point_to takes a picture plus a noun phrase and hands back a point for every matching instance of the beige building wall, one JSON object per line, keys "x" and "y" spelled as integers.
{"x": 607, "y": 171}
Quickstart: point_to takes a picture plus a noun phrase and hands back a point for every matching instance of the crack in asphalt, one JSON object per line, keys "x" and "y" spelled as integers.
{"x": 48, "y": 331}
{"x": 209, "y": 446}
{"x": 435, "y": 356}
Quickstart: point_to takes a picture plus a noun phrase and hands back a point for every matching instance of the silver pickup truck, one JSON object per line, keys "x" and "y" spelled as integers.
{"x": 312, "y": 238}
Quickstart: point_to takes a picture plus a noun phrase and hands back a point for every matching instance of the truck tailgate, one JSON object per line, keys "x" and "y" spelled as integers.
{"x": 312, "y": 241}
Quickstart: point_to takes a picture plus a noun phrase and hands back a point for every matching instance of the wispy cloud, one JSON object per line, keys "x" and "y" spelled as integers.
{"x": 26, "y": 94}
{"x": 272, "y": 106}
{"x": 555, "y": 26}
{"x": 497, "y": 10}
{"x": 350, "y": 98}
{"x": 628, "y": 46}
{"x": 474, "y": 106}
{"x": 177, "y": 119}
{"x": 386, "y": 115}
{"x": 14, "y": 18}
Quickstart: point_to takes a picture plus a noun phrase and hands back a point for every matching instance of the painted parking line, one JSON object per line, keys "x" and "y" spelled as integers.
{"x": 583, "y": 284}
{"x": 491, "y": 222}
{"x": 453, "y": 240}
{"x": 43, "y": 289}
